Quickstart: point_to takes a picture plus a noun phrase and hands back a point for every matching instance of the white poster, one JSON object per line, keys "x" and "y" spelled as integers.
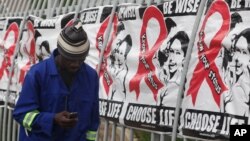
{"x": 142, "y": 73}
{"x": 95, "y": 23}
{"x": 218, "y": 82}
{"x": 9, "y": 31}
{"x": 9, "y": 36}
{"x": 39, "y": 39}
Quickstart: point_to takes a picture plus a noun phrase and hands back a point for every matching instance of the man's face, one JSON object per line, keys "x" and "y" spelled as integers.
{"x": 176, "y": 56}
{"x": 71, "y": 66}
{"x": 240, "y": 56}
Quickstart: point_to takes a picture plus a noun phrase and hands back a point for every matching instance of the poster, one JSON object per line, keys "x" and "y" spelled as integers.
{"x": 95, "y": 22}
{"x": 38, "y": 40}
{"x": 142, "y": 73}
{"x": 9, "y": 32}
{"x": 217, "y": 87}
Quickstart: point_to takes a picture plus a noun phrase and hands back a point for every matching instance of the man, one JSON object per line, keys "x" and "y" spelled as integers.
{"x": 118, "y": 66}
{"x": 175, "y": 53}
{"x": 59, "y": 97}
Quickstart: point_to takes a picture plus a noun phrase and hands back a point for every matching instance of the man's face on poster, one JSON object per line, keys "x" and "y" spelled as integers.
{"x": 240, "y": 56}
{"x": 176, "y": 56}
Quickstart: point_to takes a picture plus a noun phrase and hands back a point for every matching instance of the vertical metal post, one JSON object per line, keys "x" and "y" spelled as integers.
{"x": 106, "y": 128}
{"x": 149, "y": 2}
{"x": 85, "y": 4}
{"x": 42, "y": 11}
{"x": 78, "y": 9}
{"x": 22, "y": 8}
{"x": 49, "y": 9}
{"x": 152, "y": 136}
{"x": 9, "y": 125}
{"x": 18, "y": 131}
{"x": 160, "y": 1}
{"x": 131, "y": 134}
{"x": 5, "y": 4}
{"x": 72, "y": 5}
{"x": 97, "y": 135}
{"x": 17, "y": 8}
{"x": 122, "y": 137}
{"x": 53, "y": 10}
{"x": 143, "y": 2}
{"x": 1, "y": 121}
{"x": 32, "y": 7}
{"x": 14, "y": 131}
{"x": 185, "y": 69}
{"x": 110, "y": 2}
{"x": 36, "y": 11}
{"x": 162, "y": 137}
{"x": 58, "y": 10}
{"x": 92, "y": 3}
{"x": 113, "y": 135}
{"x": 155, "y": 137}
{"x": 1, "y": 7}
{"x": 99, "y": 2}
{"x": 9, "y": 8}
{"x": 66, "y": 7}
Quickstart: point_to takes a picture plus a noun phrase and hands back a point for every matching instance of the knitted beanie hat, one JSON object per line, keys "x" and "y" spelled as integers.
{"x": 73, "y": 43}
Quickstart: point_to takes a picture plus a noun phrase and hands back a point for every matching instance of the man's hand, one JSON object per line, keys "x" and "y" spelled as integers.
{"x": 62, "y": 119}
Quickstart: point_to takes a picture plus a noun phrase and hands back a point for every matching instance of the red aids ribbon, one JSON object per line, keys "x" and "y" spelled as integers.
{"x": 206, "y": 67}
{"x": 146, "y": 69}
{"x": 9, "y": 53}
{"x": 30, "y": 43}
{"x": 107, "y": 80}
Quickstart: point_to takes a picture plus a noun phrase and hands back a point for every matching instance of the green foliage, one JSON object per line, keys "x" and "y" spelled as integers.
{"x": 146, "y": 136}
{"x": 142, "y": 135}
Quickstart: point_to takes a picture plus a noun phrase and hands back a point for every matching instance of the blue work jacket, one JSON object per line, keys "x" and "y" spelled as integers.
{"x": 44, "y": 94}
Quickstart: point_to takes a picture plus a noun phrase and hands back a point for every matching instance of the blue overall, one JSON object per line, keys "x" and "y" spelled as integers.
{"x": 44, "y": 93}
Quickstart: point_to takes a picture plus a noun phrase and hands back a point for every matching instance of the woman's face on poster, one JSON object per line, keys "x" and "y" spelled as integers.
{"x": 43, "y": 52}
{"x": 176, "y": 56}
{"x": 240, "y": 56}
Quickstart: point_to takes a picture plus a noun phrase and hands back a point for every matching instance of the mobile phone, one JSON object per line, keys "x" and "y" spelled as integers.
{"x": 73, "y": 115}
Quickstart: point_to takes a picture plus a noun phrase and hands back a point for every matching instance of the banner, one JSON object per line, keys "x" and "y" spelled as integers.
{"x": 9, "y": 38}
{"x": 141, "y": 69}
{"x": 39, "y": 39}
{"x": 218, "y": 82}
{"x": 95, "y": 22}
{"x": 9, "y": 31}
